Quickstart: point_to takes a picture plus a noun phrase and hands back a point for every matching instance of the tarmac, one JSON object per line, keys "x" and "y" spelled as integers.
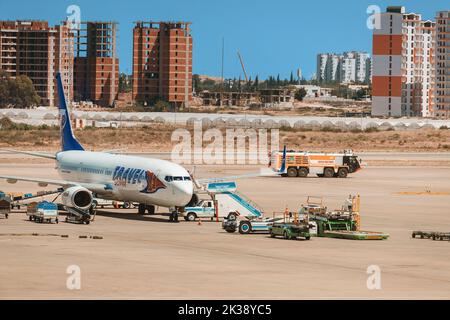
{"x": 147, "y": 257}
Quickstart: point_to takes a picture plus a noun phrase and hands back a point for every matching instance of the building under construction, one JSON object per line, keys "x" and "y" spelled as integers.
{"x": 34, "y": 49}
{"x": 239, "y": 99}
{"x": 162, "y": 62}
{"x": 263, "y": 97}
{"x": 96, "y": 70}
{"x": 277, "y": 96}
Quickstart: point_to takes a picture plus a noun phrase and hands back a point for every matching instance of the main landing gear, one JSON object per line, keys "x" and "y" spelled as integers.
{"x": 142, "y": 208}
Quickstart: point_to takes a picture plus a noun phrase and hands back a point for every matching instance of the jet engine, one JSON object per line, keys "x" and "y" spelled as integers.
{"x": 77, "y": 197}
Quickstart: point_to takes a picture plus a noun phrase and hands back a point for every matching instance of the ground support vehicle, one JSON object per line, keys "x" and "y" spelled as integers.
{"x": 292, "y": 227}
{"x": 303, "y": 163}
{"x": 431, "y": 235}
{"x": 256, "y": 225}
{"x": 43, "y": 212}
{"x": 342, "y": 224}
{"x": 290, "y": 230}
{"x": 5, "y": 208}
{"x": 222, "y": 201}
{"x": 19, "y": 199}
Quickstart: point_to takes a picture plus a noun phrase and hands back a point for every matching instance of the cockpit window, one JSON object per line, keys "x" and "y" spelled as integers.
{"x": 177, "y": 178}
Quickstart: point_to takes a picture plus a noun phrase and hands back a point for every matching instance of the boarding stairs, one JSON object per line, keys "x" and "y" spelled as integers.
{"x": 250, "y": 202}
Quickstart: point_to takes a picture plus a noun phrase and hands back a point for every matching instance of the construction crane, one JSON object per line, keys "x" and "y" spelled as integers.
{"x": 242, "y": 65}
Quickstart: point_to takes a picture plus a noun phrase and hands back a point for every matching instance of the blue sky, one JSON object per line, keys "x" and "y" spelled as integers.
{"x": 273, "y": 36}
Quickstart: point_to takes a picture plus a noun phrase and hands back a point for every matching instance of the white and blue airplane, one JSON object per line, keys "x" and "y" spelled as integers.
{"x": 85, "y": 174}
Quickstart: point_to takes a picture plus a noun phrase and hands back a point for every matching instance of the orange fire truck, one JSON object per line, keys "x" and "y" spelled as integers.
{"x": 302, "y": 163}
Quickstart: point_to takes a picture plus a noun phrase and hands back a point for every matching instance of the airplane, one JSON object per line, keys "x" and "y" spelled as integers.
{"x": 87, "y": 174}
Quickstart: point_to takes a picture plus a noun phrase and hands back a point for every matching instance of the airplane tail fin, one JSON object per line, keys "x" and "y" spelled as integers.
{"x": 283, "y": 162}
{"x": 68, "y": 141}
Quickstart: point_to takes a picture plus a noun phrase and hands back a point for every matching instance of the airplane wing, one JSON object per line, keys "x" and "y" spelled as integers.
{"x": 261, "y": 173}
{"x": 36, "y": 154}
{"x": 94, "y": 187}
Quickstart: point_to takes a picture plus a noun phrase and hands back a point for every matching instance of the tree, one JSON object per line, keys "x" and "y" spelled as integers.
{"x": 300, "y": 94}
{"x": 291, "y": 80}
{"x": 248, "y": 85}
{"x": 18, "y": 92}
{"x": 161, "y": 106}
{"x": 196, "y": 82}
{"x": 256, "y": 83}
{"x": 124, "y": 83}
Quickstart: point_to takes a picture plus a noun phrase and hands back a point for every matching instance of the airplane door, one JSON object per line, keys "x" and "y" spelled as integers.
{"x": 80, "y": 173}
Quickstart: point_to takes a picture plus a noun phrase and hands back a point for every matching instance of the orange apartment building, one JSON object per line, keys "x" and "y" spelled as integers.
{"x": 34, "y": 49}
{"x": 403, "y": 65}
{"x": 162, "y": 62}
{"x": 96, "y": 65}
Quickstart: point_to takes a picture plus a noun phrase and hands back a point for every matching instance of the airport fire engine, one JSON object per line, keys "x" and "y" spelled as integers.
{"x": 302, "y": 163}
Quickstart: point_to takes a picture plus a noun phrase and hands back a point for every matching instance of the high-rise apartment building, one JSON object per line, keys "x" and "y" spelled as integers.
{"x": 162, "y": 62}
{"x": 363, "y": 67}
{"x": 96, "y": 70}
{"x": 403, "y": 65}
{"x": 349, "y": 67}
{"x": 34, "y": 49}
{"x": 442, "y": 82}
{"x": 328, "y": 67}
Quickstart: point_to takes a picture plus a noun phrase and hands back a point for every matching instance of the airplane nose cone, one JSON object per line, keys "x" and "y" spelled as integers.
{"x": 184, "y": 192}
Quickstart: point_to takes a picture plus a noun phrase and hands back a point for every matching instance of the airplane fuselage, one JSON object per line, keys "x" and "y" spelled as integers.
{"x": 128, "y": 178}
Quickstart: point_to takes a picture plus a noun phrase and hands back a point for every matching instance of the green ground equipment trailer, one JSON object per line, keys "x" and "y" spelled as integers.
{"x": 341, "y": 224}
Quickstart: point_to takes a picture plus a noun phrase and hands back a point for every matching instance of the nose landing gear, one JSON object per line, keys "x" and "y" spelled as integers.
{"x": 173, "y": 216}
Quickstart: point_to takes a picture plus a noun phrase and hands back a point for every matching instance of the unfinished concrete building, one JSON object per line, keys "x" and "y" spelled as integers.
{"x": 35, "y": 49}
{"x": 219, "y": 99}
{"x": 96, "y": 70}
{"x": 276, "y": 97}
{"x": 162, "y": 62}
